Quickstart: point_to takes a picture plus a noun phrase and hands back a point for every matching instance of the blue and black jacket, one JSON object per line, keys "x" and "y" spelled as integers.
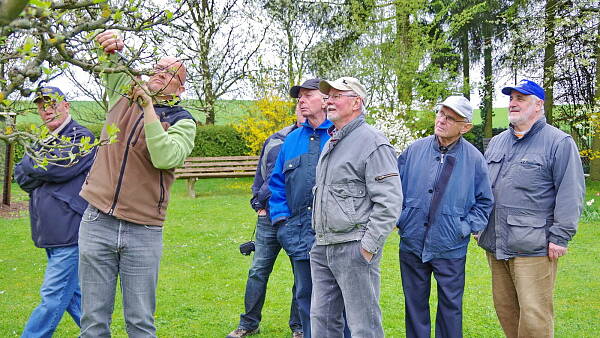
{"x": 266, "y": 163}
{"x": 291, "y": 186}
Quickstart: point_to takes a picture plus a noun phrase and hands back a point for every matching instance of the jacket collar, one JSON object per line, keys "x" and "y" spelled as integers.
{"x": 63, "y": 126}
{"x": 451, "y": 149}
{"x": 325, "y": 125}
{"x": 536, "y": 127}
{"x": 337, "y": 135}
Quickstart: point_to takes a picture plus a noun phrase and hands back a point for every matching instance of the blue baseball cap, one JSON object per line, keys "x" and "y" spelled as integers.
{"x": 53, "y": 93}
{"x": 526, "y": 87}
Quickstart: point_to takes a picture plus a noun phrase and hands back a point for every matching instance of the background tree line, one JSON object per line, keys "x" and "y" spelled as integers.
{"x": 410, "y": 54}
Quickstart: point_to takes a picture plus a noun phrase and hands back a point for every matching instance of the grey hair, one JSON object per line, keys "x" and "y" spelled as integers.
{"x": 537, "y": 99}
{"x": 363, "y": 109}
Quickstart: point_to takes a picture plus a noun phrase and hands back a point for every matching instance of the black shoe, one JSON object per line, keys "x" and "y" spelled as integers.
{"x": 242, "y": 333}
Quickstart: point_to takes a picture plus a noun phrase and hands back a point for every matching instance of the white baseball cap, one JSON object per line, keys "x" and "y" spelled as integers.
{"x": 459, "y": 104}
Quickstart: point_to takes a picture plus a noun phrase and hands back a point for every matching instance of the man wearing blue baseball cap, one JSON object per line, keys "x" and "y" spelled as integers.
{"x": 55, "y": 211}
{"x": 538, "y": 186}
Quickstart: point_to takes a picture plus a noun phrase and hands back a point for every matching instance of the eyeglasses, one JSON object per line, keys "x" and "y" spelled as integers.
{"x": 171, "y": 69}
{"x": 449, "y": 119}
{"x": 336, "y": 97}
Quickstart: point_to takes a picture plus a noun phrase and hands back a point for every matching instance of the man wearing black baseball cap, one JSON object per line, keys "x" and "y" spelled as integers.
{"x": 538, "y": 185}
{"x": 267, "y": 246}
{"x": 291, "y": 190}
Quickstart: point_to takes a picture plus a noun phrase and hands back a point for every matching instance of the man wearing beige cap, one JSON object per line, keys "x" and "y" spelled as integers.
{"x": 447, "y": 197}
{"x": 358, "y": 198}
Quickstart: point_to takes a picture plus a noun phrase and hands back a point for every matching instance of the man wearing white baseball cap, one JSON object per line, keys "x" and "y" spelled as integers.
{"x": 357, "y": 201}
{"x": 447, "y": 197}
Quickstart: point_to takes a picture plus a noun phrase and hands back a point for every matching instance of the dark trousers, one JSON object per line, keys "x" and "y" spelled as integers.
{"x": 303, "y": 283}
{"x": 416, "y": 284}
{"x": 267, "y": 250}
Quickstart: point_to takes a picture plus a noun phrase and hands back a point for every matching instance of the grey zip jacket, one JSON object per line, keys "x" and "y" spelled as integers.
{"x": 358, "y": 195}
{"x": 538, "y": 188}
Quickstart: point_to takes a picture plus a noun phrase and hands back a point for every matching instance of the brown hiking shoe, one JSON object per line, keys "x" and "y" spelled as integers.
{"x": 298, "y": 334}
{"x": 242, "y": 333}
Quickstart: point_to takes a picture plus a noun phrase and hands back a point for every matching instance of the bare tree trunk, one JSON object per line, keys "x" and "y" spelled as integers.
{"x": 404, "y": 57}
{"x": 488, "y": 86}
{"x": 10, "y": 10}
{"x": 549, "y": 58}
{"x": 466, "y": 63}
{"x": 290, "y": 63}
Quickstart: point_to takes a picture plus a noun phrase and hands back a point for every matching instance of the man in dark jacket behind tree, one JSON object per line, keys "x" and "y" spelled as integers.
{"x": 55, "y": 210}
{"x": 267, "y": 245}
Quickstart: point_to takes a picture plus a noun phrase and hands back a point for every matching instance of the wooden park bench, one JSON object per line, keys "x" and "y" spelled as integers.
{"x": 195, "y": 168}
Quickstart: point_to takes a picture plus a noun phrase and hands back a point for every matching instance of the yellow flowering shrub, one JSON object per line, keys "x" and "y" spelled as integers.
{"x": 266, "y": 116}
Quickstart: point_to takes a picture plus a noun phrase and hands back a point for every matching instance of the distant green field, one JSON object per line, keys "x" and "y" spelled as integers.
{"x": 499, "y": 119}
{"x": 89, "y": 112}
{"x": 227, "y": 112}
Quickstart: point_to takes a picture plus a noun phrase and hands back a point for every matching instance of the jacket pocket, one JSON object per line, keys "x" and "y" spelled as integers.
{"x": 91, "y": 214}
{"x": 410, "y": 218}
{"x": 527, "y": 172}
{"x": 446, "y": 232}
{"x": 494, "y": 162}
{"x": 292, "y": 177}
{"x": 526, "y": 234}
{"x": 344, "y": 199}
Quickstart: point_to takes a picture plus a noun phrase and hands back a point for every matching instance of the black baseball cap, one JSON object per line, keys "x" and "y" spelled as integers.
{"x": 312, "y": 84}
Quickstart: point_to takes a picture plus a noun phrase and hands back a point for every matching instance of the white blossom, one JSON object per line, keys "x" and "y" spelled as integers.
{"x": 394, "y": 126}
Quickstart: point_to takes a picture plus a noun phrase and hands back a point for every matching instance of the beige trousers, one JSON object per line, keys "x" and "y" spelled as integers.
{"x": 522, "y": 289}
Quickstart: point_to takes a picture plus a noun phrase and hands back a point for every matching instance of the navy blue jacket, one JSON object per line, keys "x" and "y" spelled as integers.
{"x": 446, "y": 198}
{"x": 266, "y": 162}
{"x": 55, "y": 207}
{"x": 291, "y": 186}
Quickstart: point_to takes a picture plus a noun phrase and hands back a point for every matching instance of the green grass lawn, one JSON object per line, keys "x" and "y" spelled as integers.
{"x": 203, "y": 275}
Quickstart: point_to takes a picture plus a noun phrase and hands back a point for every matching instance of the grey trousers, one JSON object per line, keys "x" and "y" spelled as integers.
{"x": 342, "y": 278}
{"x": 111, "y": 248}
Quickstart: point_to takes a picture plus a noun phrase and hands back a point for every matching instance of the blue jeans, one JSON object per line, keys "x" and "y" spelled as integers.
{"x": 111, "y": 248}
{"x": 416, "y": 285}
{"x": 267, "y": 250}
{"x": 303, "y": 282}
{"x": 60, "y": 292}
{"x": 342, "y": 278}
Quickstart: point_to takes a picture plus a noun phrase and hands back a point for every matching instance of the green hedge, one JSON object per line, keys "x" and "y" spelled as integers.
{"x": 214, "y": 140}
{"x": 475, "y": 135}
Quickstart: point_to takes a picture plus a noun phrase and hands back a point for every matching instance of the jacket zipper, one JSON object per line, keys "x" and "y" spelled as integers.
{"x": 137, "y": 137}
{"x": 162, "y": 193}
{"x": 123, "y": 164}
{"x": 383, "y": 177}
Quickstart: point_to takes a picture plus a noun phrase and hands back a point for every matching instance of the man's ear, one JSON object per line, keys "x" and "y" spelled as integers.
{"x": 357, "y": 104}
{"x": 466, "y": 128}
{"x": 180, "y": 90}
{"x": 539, "y": 104}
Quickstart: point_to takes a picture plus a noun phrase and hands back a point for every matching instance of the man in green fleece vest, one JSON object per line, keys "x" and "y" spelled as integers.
{"x": 128, "y": 192}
